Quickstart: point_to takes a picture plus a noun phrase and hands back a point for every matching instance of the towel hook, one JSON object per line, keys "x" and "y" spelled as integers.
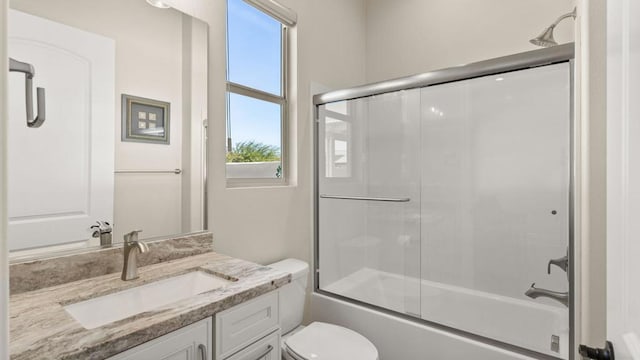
{"x": 29, "y": 72}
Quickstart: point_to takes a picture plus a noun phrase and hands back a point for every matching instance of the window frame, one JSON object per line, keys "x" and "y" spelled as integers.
{"x": 282, "y": 100}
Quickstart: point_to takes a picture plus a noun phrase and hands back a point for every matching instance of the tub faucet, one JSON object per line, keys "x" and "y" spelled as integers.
{"x": 562, "y": 263}
{"x": 131, "y": 248}
{"x": 561, "y": 297}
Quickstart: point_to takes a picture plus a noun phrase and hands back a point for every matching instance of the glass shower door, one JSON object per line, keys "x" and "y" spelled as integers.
{"x": 495, "y": 205}
{"x": 369, "y": 200}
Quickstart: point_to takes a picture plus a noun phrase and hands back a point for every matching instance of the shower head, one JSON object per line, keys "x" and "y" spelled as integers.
{"x": 545, "y": 39}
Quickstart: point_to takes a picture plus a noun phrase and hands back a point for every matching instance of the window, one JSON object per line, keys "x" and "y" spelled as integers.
{"x": 256, "y": 96}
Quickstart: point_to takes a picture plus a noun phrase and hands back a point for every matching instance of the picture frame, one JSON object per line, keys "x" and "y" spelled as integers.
{"x": 145, "y": 120}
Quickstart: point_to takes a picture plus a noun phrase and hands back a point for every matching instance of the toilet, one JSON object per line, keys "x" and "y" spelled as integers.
{"x": 318, "y": 340}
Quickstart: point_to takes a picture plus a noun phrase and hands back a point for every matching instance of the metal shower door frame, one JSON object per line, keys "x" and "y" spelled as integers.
{"x": 558, "y": 54}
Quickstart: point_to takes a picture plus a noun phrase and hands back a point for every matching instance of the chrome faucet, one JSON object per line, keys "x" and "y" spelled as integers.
{"x": 103, "y": 231}
{"x": 131, "y": 248}
{"x": 561, "y": 297}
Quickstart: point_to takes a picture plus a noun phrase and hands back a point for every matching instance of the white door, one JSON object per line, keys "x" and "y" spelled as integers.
{"x": 623, "y": 178}
{"x": 60, "y": 176}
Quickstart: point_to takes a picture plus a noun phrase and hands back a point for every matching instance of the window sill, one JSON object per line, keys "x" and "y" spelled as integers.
{"x": 257, "y": 184}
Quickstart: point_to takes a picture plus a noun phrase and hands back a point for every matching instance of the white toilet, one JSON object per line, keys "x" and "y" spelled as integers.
{"x": 317, "y": 341}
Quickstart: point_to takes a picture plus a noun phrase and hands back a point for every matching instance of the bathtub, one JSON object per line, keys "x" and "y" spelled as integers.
{"x": 522, "y": 323}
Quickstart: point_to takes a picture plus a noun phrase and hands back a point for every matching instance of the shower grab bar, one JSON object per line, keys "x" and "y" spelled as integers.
{"x": 364, "y": 198}
{"x": 29, "y": 72}
{"x": 174, "y": 171}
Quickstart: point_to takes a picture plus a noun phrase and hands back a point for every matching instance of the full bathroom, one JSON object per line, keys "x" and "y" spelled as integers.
{"x": 319, "y": 180}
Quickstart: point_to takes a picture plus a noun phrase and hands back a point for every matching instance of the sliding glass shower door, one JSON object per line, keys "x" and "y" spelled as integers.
{"x": 369, "y": 201}
{"x": 447, "y": 202}
{"x": 495, "y": 205}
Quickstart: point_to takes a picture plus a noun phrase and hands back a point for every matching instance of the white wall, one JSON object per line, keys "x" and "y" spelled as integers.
{"x": 406, "y": 37}
{"x": 623, "y": 171}
{"x": 591, "y": 165}
{"x": 148, "y": 64}
{"x": 4, "y": 252}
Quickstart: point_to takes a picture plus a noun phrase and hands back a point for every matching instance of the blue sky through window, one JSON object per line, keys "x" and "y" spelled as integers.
{"x": 253, "y": 119}
{"x": 254, "y": 60}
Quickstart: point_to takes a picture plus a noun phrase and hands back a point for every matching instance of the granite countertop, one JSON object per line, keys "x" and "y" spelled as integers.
{"x": 42, "y": 329}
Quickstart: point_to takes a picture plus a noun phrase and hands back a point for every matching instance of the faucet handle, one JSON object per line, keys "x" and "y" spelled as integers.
{"x": 102, "y": 226}
{"x": 562, "y": 263}
{"x": 131, "y": 236}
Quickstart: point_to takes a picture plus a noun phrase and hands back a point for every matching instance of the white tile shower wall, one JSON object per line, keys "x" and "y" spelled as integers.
{"x": 393, "y": 153}
{"x": 495, "y": 181}
{"x": 380, "y": 135}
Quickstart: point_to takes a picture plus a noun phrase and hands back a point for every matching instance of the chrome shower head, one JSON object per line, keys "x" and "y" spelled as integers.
{"x": 545, "y": 39}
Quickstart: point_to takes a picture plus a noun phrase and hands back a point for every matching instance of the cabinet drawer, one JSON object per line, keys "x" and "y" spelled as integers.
{"x": 264, "y": 349}
{"x": 189, "y": 343}
{"x": 245, "y": 324}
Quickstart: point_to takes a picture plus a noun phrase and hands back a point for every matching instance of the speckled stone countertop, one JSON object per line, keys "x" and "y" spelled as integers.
{"x": 42, "y": 329}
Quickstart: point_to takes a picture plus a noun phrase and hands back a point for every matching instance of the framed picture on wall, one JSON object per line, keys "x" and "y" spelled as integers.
{"x": 145, "y": 120}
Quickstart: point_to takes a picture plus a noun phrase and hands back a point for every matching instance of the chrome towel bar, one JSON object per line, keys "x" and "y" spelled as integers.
{"x": 364, "y": 198}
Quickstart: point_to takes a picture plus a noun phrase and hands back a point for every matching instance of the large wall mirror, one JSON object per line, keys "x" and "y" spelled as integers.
{"x": 81, "y": 167}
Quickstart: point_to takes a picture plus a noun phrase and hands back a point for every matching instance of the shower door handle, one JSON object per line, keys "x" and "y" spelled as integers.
{"x": 29, "y": 72}
{"x": 364, "y": 198}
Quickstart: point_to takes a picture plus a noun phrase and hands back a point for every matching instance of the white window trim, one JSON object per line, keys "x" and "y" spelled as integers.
{"x": 276, "y": 10}
{"x": 283, "y": 101}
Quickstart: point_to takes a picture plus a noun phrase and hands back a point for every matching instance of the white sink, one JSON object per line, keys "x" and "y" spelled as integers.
{"x": 121, "y": 305}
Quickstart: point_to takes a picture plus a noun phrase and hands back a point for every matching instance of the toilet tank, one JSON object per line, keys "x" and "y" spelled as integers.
{"x": 292, "y": 295}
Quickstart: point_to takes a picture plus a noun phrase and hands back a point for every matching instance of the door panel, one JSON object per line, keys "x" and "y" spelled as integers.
{"x": 60, "y": 176}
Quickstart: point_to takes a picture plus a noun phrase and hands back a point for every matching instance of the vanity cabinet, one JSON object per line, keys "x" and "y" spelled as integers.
{"x": 249, "y": 331}
{"x": 192, "y": 342}
{"x": 267, "y": 348}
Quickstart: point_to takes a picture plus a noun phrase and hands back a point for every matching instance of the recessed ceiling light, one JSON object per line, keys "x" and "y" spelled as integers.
{"x": 159, "y": 4}
{"x": 499, "y": 79}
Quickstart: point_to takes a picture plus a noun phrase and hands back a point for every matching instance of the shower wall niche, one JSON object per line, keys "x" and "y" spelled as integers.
{"x": 444, "y": 203}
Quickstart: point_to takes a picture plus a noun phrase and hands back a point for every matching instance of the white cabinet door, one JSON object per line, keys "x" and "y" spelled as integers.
{"x": 245, "y": 323}
{"x": 192, "y": 342}
{"x": 267, "y": 348}
{"x": 60, "y": 176}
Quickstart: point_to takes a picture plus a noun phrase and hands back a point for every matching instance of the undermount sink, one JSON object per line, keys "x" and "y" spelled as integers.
{"x": 106, "y": 309}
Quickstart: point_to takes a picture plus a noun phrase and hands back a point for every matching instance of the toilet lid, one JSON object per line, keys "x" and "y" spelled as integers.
{"x": 321, "y": 341}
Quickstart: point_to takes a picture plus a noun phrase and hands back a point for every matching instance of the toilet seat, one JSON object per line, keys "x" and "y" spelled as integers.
{"x": 322, "y": 341}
